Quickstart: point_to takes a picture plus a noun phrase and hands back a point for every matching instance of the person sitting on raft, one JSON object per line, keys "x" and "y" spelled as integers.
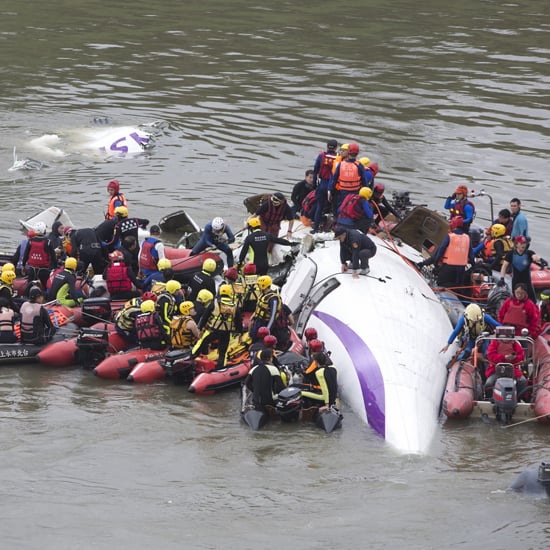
{"x": 36, "y": 325}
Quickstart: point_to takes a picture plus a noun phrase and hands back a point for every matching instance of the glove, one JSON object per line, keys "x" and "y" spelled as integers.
{"x": 543, "y": 263}
{"x": 501, "y": 282}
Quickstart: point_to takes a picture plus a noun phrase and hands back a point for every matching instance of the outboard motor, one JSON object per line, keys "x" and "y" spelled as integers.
{"x": 178, "y": 365}
{"x": 96, "y": 309}
{"x": 544, "y": 476}
{"x": 289, "y": 404}
{"x": 92, "y": 344}
{"x": 505, "y": 396}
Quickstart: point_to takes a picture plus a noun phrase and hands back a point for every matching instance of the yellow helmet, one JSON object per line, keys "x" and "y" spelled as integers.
{"x": 186, "y": 307}
{"x": 226, "y": 290}
{"x": 8, "y": 277}
{"x": 365, "y": 192}
{"x": 365, "y": 161}
{"x": 8, "y": 267}
{"x": 264, "y": 282}
{"x": 121, "y": 211}
{"x": 147, "y": 306}
{"x": 473, "y": 313}
{"x": 173, "y": 286}
{"x": 209, "y": 265}
{"x": 498, "y": 230}
{"x": 204, "y": 296}
{"x": 71, "y": 263}
{"x": 164, "y": 263}
{"x": 253, "y": 223}
{"x": 545, "y": 294}
{"x": 344, "y": 146}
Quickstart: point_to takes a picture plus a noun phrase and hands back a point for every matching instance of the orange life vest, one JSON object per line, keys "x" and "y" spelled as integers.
{"x": 111, "y": 206}
{"x": 457, "y": 251}
{"x": 349, "y": 178}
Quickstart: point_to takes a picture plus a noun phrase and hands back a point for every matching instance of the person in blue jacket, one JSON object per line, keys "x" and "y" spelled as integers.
{"x": 216, "y": 234}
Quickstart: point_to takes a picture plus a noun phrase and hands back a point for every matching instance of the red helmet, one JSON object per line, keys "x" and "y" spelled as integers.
{"x": 262, "y": 333}
{"x": 249, "y": 269}
{"x": 379, "y": 188}
{"x": 149, "y": 296}
{"x": 457, "y": 221}
{"x": 373, "y": 167}
{"x": 116, "y": 256}
{"x": 67, "y": 230}
{"x": 353, "y": 148}
{"x": 231, "y": 274}
{"x": 31, "y": 233}
{"x": 310, "y": 333}
{"x": 270, "y": 341}
{"x": 520, "y": 239}
{"x": 315, "y": 345}
{"x": 115, "y": 185}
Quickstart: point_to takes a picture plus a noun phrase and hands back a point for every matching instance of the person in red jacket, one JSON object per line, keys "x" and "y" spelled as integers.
{"x": 505, "y": 350}
{"x": 521, "y": 312}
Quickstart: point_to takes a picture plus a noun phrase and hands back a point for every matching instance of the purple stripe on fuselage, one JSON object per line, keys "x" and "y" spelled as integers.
{"x": 367, "y": 368}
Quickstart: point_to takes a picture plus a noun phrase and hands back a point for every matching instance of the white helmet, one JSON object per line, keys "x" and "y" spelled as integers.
{"x": 40, "y": 228}
{"x": 218, "y": 224}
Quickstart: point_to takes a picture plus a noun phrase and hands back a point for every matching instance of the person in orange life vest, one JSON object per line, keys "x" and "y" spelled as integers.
{"x": 7, "y": 323}
{"x": 356, "y": 248}
{"x": 36, "y": 325}
{"x": 545, "y": 306}
{"x": 17, "y": 258}
{"x": 459, "y": 205}
{"x": 272, "y": 212}
{"x": 452, "y": 256}
{"x": 184, "y": 332}
{"x": 381, "y": 206}
{"x": 322, "y": 172}
{"x": 520, "y": 259}
{"x": 151, "y": 251}
{"x": 39, "y": 256}
{"x": 494, "y": 248}
{"x": 350, "y": 175}
{"x": 355, "y": 211}
{"x": 149, "y": 328}
{"x": 521, "y": 312}
{"x": 308, "y": 209}
{"x": 125, "y": 227}
{"x": 120, "y": 278}
{"x": 116, "y": 198}
{"x": 300, "y": 191}
{"x": 505, "y": 350}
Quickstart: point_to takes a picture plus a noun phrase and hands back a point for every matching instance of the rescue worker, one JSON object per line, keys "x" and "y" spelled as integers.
{"x": 470, "y": 325}
{"x": 320, "y": 382}
{"x": 88, "y": 249}
{"x": 6, "y": 287}
{"x": 184, "y": 332}
{"x": 519, "y": 260}
{"x": 56, "y": 237}
{"x": 452, "y": 256}
{"x": 122, "y": 282}
{"x": 381, "y": 207}
{"x": 505, "y": 350}
{"x": 125, "y": 318}
{"x": 36, "y": 325}
{"x": 272, "y": 212}
{"x": 167, "y": 304}
{"x": 495, "y": 247}
{"x": 268, "y": 307}
{"x": 125, "y": 227}
{"x": 150, "y": 331}
{"x": 356, "y": 248}
{"x": 163, "y": 273}
{"x": 216, "y": 234}
{"x": 202, "y": 279}
{"x": 459, "y": 205}
{"x": 521, "y": 312}
{"x": 39, "y": 257}
{"x": 349, "y": 177}
{"x": 322, "y": 173}
{"x": 251, "y": 291}
{"x": 308, "y": 209}
{"x": 300, "y": 191}
{"x": 224, "y": 319}
{"x": 151, "y": 251}
{"x": 257, "y": 345}
{"x": 355, "y": 211}
{"x": 504, "y": 218}
{"x": 7, "y": 322}
{"x": 264, "y": 380}
{"x": 545, "y": 306}
{"x": 17, "y": 258}
{"x": 231, "y": 277}
{"x": 116, "y": 199}
{"x": 203, "y": 305}
{"x": 63, "y": 288}
{"x": 257, "y": 242}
